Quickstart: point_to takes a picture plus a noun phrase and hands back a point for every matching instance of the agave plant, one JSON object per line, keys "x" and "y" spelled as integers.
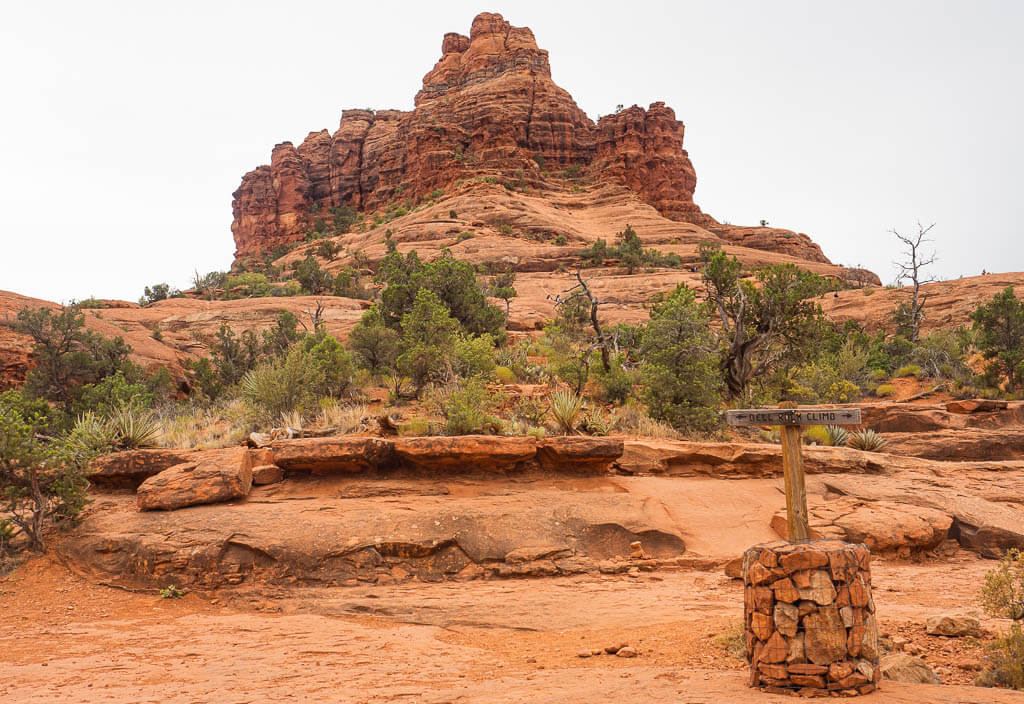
{"x": 566, "y": 408}
{"x": 837, "y": 435}
{"x": 134, "y": 427}
{"x": 866, "y": 440}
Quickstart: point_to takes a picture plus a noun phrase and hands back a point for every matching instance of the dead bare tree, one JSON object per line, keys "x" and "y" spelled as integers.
{"x": 316, "y": 317}
{"x": 582, "y": 290}
{"x": 910, "y": 267}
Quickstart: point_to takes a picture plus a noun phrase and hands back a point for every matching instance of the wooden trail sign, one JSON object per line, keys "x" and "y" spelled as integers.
{"x": 790, "y": 419}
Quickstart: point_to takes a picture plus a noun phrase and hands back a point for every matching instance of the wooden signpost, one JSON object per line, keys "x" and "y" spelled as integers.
{"x": 789, "y": 418}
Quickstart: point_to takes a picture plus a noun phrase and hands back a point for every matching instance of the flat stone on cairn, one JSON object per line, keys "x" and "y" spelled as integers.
{"x": 810, "y": 619}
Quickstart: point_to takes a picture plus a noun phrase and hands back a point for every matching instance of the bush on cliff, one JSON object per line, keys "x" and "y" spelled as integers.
{"x": 312, "y": 277}
{"x": 158, "y": 292}
{"x": 454, "y": 283}
{"x": 630, "y": 252}
{"x": 999, "y": 325}
{"x": 79, "y": 370}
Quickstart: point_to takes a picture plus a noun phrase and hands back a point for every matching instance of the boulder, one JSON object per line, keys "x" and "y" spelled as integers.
{"x": 583, "y": 453}
{"x": 464, "y": 453}
{"x": 267, "y": 474}
{"x": 953, "y": 625}
{"x": 131, "y": 467}
{"x": 902, "y": 667}
{"x": 213, "y": 476}
{"x": 332, "y": 455}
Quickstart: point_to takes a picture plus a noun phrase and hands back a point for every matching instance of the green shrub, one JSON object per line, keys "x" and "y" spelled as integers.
{"x": 473, "y": 356}
{"x": 281, "y": 385}
{"x": 374, "y": 346}
{"x": 428, "y": 335}
{"x": 1002, "y": 595}
{"x": 463, "y": 236}
{"x": 1005, "y": 662}
{"x": 38, "y": 483}
{"x": 680, "y": 373}
{"x": 113, "y": 392}
{"x": 67, "y": 356}
{"x": 313, "y": 279}
{"x": 468, "y": 410}
{"x": 531, "y": 409}
{"x": 415, "y": 427}
{"x": 452, "y": 281}
{"x": 909, "y": 370}
{"x": 158, "y": 292}
{"x": 332, "y": 372}
{"x": 885, "y": 390}
{"x": 867, "y": 440}
{"x": 26, "y": 407}
{"x": 616, "y": 383}
{"x": 248, "y": 284}
{"x": 999, "y": 330}
{"x": 171, "y": 592}
{"x": 817, "y": 435}
{"x": 505, "y": 375}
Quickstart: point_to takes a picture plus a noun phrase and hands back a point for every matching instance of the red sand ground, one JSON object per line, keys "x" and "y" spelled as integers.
{"x": 67, "y": 639}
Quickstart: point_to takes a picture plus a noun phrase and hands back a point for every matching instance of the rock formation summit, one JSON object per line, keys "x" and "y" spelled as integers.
{"x": 488, "y": 109}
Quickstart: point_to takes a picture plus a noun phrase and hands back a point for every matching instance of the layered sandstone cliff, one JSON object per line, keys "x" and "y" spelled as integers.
{"x": 488, "y": 108}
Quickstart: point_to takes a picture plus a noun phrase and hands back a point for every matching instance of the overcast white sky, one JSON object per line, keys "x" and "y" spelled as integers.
{"x": 126, "y": 126}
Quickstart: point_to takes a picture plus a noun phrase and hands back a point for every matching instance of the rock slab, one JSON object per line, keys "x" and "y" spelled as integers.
{"x": 213, "y": 477}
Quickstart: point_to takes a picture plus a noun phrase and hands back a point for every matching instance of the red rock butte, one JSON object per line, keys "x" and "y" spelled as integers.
{"x": 489, "y": 106}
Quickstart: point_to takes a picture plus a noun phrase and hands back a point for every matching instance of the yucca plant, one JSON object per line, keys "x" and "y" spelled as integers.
{"x": 134, "y": 427}
{"x": 91, "y": 435}
{"x": 866, "y": 440}
{"x": 838, "y": 435}
{"x": 597, "y": 423}
{"x": 566, "y": 408}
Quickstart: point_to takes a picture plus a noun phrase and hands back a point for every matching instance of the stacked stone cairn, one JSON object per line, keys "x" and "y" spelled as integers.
{"x": 810, "y": 619}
